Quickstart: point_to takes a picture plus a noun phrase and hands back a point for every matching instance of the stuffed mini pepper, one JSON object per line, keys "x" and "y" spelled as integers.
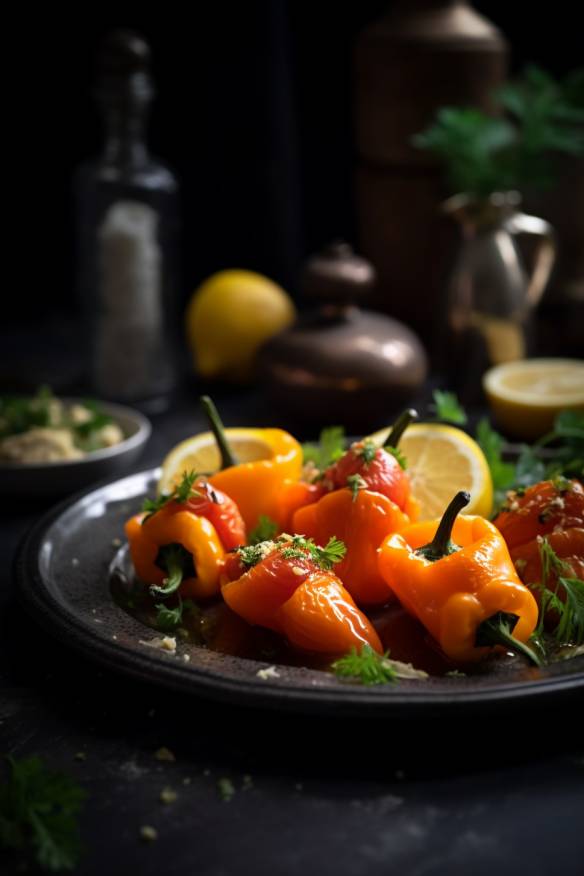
{"x": 288, "y": 586}
{"x": 457, "y": 578}
{"x": 178, "y": 542}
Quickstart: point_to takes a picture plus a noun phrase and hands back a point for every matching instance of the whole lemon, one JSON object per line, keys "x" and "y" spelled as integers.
{"x": 229, "y": 316}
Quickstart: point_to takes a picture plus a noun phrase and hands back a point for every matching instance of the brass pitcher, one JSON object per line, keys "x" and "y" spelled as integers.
{"x": 491, "y": 294}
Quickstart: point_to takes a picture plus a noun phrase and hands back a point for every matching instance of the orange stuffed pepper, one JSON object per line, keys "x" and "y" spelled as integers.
{"x": 381, "y": 469}
{"x": 552, "y": 510}
{"x": 178, "y": 543}
{"x": 465, "y": 591}
{"x": 361, "y": 518}
{"x": 288, "y": 586}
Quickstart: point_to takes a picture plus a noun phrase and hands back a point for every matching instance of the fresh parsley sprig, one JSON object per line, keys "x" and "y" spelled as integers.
{"x": 295, "y": 547}
{"x": 365, "y": 667}
{"x": 484, "y": 154}
{"x": 367, "y": 451}
{"x": 265, "y": 530}
{"x": 169, "y": 618}
{"x": 38, "y": 810}
{"x": 330, "y": 448}
{"x": 324, "y": 557}
{"x": 448, "y": 407}
{"x": 564, "y": 458}
{"x": 181, "y": 493}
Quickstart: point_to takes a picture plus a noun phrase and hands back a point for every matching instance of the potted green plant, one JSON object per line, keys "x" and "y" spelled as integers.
{"x": 490, "y": 162}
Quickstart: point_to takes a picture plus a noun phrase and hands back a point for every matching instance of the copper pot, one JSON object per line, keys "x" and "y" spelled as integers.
{"x": 341, "y": 364}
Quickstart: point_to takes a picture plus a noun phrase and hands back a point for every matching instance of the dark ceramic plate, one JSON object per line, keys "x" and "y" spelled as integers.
{"x": 63, "y": 575}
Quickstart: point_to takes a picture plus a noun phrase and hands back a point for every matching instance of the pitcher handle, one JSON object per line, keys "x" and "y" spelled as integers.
{"x": 545, "y": 253}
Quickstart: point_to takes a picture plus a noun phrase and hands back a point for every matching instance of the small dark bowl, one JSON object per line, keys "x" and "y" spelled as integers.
{"x": 60, "y": 478}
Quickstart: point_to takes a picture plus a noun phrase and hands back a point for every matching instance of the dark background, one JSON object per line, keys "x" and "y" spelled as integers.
{"x": 253, "y": 113}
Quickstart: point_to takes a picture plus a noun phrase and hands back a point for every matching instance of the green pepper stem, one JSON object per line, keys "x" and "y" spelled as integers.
{"x": 441, "y": 545}
{"x": 399, "y": 427}
{"x": 498, "y": 630}
{"x": 227, "y": 456}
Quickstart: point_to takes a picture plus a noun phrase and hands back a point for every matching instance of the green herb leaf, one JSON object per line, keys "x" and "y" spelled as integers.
{"x": 502, "y": 473}
{"x": 178, "y": 563}
{"x": 38, "y": 809}
{"x": 355, "y": 483}
{"x": 367, "y": 451}
{"x": 295, "y": 547}
{"x": 330, "y": 447}
{"x": 253, "y": 554}
{"x": 448, "y": 407}
{"x": 477, "y": 150}
{"x": 570, "y": 609}
{"x": 367, "y": 667}
{"x": 484, "y": 154}
{"x": 529, "y": 468}
{"x": 570, "y": 424}
{"x": 325, "y": 557}
{"x": 169, "y": 618}
{"x": 181, "y": 493}
{"x": 265, "y": 530}
{"x": 226, "y": 789}
{"x": 570, "y": 629}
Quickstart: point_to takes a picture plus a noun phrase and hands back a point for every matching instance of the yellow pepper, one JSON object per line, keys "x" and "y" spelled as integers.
{"x": 255, "y": 486}
{"x": 160, "y": 544}
{"x": 467, "y": 593}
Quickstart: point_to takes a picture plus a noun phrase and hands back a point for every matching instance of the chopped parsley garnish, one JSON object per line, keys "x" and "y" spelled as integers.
{"x": 252, "y": 554}
{"x": 330, "y": 447}
{"x": 38, "y": 810}
{"x": 324, "y": 557}
{"x": 226, "y": 789}
{"x": 181, "y": 493}
{"x": 294, "y": 547}
{"x": 169, "y": 618}
{"x": 367, "y": 667}
{"x": 448, "y": 408}
{"x": 264, "y": 531}
{"x": 562, "y": 484}
{"x": 355, "y": 483}
{"x": 367, "y": 451}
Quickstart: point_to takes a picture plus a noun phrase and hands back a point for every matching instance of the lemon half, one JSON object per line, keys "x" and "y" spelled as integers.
{"x": 526, "y": 396}
{"x": 441, "y": 461}
{"x": 199, "y": 453}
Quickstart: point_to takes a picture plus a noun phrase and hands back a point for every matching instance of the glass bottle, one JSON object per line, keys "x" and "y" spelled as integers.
{"x": 127, "y": 225}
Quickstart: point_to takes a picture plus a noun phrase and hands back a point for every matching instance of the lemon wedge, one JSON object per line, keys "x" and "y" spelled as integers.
{"x": 441, "y": 461}
{"x": 199, "y": 453}
{"x": 526, "y": 396}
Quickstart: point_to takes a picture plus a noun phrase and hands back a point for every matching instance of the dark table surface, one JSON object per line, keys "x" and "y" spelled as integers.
{"x": 495, "y": 794}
